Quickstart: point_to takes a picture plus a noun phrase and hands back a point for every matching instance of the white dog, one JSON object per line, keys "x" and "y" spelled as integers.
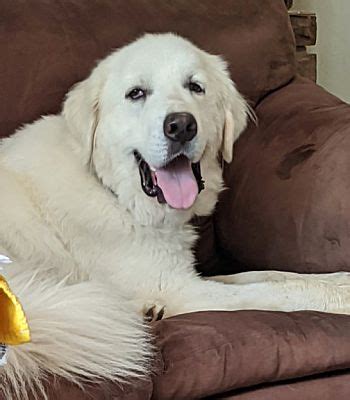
{"x": 94, "y": 210}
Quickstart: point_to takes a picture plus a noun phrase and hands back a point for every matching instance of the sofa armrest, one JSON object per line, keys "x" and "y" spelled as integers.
{"x": 208, "y": 353}
{"x": 287, "y": 206}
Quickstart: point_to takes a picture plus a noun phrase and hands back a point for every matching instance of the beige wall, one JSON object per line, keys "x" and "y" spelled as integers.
{"x": 333, "y": 43}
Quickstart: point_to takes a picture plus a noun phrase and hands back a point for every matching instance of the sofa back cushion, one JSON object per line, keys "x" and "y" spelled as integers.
{"x": 47, "y": 46}
{"x": 288, "y": 203}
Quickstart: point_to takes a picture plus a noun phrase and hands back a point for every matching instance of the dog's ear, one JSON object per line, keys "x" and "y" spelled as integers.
{"x": 81, "y": 112}
{"x": 236, "y": 113}
{"x": 233, "y": 106}
{"x": 228, "y": 137}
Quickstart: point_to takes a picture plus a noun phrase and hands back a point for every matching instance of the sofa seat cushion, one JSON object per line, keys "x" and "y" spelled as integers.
{"x": 320, "y": 387}
{"x": 59, "y": 389}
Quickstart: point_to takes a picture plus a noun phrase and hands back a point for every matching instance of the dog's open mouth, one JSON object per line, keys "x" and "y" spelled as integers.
{"x": 177, "y": 183}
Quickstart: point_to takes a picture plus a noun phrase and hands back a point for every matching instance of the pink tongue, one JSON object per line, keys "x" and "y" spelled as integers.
{"x": 178, "y": 184}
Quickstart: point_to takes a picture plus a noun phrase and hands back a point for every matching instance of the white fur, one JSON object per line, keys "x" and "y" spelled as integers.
{"x": 91, "y": 250}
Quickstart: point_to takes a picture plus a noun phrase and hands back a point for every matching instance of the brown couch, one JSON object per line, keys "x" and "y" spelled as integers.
{"x": 287, "y": 206}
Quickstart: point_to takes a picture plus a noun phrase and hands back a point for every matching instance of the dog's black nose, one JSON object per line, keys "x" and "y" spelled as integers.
{"x": 180, "y": 127}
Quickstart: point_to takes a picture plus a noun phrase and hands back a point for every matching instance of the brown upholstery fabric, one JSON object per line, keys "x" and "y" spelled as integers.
{"x": 46, "y": 46}
{"x": 334, "y": 387}
{"x": 62, "y": 390}
{"x": 288, "y": 203}
{"x": 212, "y": 352}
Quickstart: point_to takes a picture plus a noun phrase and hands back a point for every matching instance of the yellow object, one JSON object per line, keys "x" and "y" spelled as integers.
{"x": 14, "y": 328}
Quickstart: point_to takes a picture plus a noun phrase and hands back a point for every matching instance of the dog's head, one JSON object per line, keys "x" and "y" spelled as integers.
{"x": 150, "y": 122}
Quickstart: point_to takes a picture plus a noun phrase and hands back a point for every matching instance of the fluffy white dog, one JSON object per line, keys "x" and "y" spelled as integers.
{"x": 94, "y": 210}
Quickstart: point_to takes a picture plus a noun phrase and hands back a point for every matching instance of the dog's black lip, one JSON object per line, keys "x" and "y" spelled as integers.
{"x": 153, "y": 190}
{"x": 196, "y": 168}
{"x": 146, "y": 177}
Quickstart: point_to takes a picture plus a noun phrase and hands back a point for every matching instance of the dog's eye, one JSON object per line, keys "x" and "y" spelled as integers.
{"x": 136, "y": 94}
{"x": 194, "y": 87}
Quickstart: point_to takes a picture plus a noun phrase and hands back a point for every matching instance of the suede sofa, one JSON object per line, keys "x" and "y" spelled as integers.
{"x": 286, "y": 207}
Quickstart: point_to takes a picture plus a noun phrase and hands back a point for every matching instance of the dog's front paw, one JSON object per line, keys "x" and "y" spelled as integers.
{"x": 153, "y": 312}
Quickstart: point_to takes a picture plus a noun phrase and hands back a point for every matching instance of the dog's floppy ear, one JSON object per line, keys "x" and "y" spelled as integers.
{"x": 81, "y": 112}
{"x": 228, "y": 137}
{"x": 232, "y": 104}
{"x": 236, "y": 113}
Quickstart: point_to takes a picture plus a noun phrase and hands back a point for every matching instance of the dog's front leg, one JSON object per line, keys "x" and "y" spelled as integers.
{"x": 196, "y": 294}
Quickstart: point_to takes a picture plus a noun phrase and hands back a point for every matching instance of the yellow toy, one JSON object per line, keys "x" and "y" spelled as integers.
{"x": 14, "y": 328}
